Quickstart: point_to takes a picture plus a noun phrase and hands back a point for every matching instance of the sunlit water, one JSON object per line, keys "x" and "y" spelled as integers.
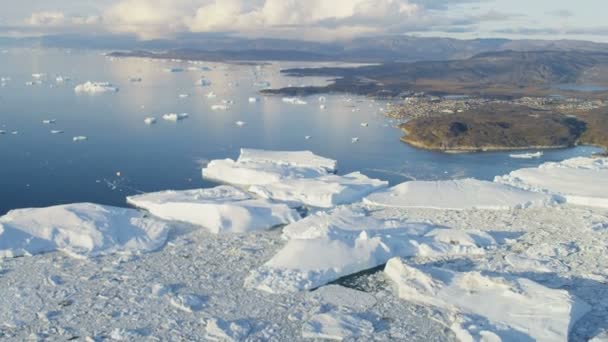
{"x": 38, "y": 168}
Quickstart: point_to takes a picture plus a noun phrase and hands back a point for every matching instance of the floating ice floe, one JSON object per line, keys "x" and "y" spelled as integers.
{"x": 175, "y": 116}
{"x": 354, "y": 140}
{"x": 211, "y": 95}
{"x": 218, "y": 329}
{"x": 460, "y": 194}
{"x": 79, "y": 138}
{"x": 253, "y": 100}
{"x": 80, "y": 230}
{"x": 150, "y": 120}
{"x": 56, "y": 131}
{"x": 337, "y": 326}
{"x": 255, "y": 167}
{"x": 490, "y": 308}
{"x": 184, "y": 96}
{"x": 580, "y": 181}
{"x": 294, "y": 100}
{"x": 62, "y": 79}
{"x": 95, "y": 88}
{"x": 326, "y": 246}
{"x": 49, "y": 121}
{"x": 223, "y": 209}
{"x": 323, "y": 192}
{"x": 240, "y": 123}
{"x": 220, "y": 107}
{"x": 526, "y": 155}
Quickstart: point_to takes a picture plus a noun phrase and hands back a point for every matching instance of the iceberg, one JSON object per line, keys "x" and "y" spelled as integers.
{"x": 204, "y": 83}
{"x": 337, "y": 326}
{"x": 174, "y": 116}
{"x": 323, "y": 192}
{"x": 294, "y": 100}
{"x": 580, "y": 181}
{"x": 220, "y": 107}
{"x": 150, "y": 120}
{"x": 526, "y": 155}
{"x": 95, "y": 88}
{"x": 326, "y": 246}
{"x": 258, "y": 167}
{"x": 79, "y": 138}
{"x": 506, "y": 308}
{"x": 458, "y": 195}
{"x": 81, "y": 230}
{"x": 254, "y": 100}
{"x": 223, "y": 209}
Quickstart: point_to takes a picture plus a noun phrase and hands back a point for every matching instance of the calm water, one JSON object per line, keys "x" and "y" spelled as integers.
{"x": 38, "y": 168}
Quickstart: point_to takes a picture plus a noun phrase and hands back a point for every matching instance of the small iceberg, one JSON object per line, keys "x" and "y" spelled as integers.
{"x": 56, "y": 131}
{"x": 183, "y": 96}
{"x": 240, "y": 123}
{"x": 95, "y": 88}
{"x": 218, "y": 107}
{"x": 79, "y": 138}
{"x": 150, "y": 120}
{"x": 211, "y": 95}
{"x": 223, "y": 209}
{"x": 294, "y": 100}
{"x": 80, "y": 230}
{"x": 526, "y": 155}
{"x": 253, "y": 100}
{"x": 49, "y": 121}
{"x": 175, "y": 116}
{"x": 354, "y": 140}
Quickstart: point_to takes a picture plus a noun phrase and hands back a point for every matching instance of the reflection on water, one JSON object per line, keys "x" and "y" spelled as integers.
{"x": 123, "y": 156}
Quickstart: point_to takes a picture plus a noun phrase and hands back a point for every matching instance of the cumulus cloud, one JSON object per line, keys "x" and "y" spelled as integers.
{"x": 330, "y": 19}
{"x": 57, "y": 19}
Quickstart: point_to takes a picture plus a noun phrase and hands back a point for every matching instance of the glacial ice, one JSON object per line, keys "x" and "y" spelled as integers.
{"x": 323, "y": 192}
{"x": 95, "y": 88}
{"x": 80, "y": 230}
{"x": 223, "y": 209}
{"x": 457, "y": 195}
{"x": 580, "y": 181}
{"x": 506, "y": 308}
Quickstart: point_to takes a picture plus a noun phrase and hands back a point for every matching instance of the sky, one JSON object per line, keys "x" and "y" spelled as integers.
{"x": 317, "y": 20}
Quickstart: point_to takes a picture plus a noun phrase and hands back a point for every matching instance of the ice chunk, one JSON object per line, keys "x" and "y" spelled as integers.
{"x": 240, "y": 123}
{"x": 175, "y": 116}
{"x": 580, "y": 181}
{"x": 150, "y": 120}
{"x": 80, "y": 230}
{"x": 294, "y": 100}
{"x": 326, "y": 246}
{"x": 255, "y": 167}
{"x": 79, "y": 138}
{"x": 337, "y": 326}
{"x": 211, "y": 95}
{"x": 253, "y": 100}
{"x": 218, "y": 329}
{"x": 457, "y": 195}
{"x": 220, "y": 107}
{"x": 509, "y": 307}
{"x": 184, "y": 96}
{"x": 48, "y": 121}
{"x": 56, "y": 131}
{"x": 354, "y": 140}
{"x": 38, "y": 75}
{"x": 95, "y": 88}
{"x": 324, "y": 192}
{"x": 223, "y": 209}
{"x": 526, "y": 155}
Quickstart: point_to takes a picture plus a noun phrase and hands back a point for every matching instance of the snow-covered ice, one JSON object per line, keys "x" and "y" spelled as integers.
{"x": 326, "y": 246}
{"x": 150, "y": 120}
{"x": 254, "y": 100}
{"x": 80, "y": 230}
{"x": 294, "y": 100}
{"x": 324, "y": 192}
{"x": 458, "y": 195}
{"x": 175, "y": 116}
{"x": 218, "y": 329}
{"x": 506, "y": 308}
{"x": 79, "y": 138}
{"x": 257, "y": 167}
{"x": 526, "y": 155}
{"x": 218, "y": 107}
{"x": 337, "y": 326}
{"x": 580, "y": 181}
{"x": 95, "y": 88}
{"x": 223, "y": 209}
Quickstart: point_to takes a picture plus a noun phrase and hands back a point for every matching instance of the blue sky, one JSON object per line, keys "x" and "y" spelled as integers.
{"x": 311, "y": 19}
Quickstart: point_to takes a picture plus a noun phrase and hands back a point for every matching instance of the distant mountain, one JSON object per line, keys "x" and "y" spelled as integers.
{"x": 367, "y": 49}
{"x": 508, "y": 73}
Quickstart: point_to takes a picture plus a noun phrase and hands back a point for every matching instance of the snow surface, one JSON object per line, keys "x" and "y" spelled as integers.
{"x": 80, "y": 230}
{"x": 95, "y": 88}
{"x": 323, "y": 192}
{"x": 326, "y": 246}
{"x": 458, "y": 195}
{"x": 581, "y": 181}
{"x": 257, "y": 167}
{"x": 337, "y": 326}
{"x": 223, "y": 209}
{"x": 510, "y": 308}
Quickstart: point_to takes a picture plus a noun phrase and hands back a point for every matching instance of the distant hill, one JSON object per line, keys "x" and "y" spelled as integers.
{"x": 367, "y": 49}
{"x": 500, "y": 73}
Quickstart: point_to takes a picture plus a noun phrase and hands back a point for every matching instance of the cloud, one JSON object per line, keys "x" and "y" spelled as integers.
{"x": 60, "y": 19}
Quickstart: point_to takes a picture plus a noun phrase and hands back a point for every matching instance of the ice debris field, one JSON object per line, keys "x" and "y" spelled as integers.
{"x": 288, "y": 249}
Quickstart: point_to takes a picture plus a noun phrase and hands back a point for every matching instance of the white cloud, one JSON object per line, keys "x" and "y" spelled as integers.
{"x": 329, "y": 19}
{"x": 58, "y": 19}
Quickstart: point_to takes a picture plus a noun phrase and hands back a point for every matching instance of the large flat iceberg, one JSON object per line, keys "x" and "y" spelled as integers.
{"x": 580, "y": 181}
{"x": 323, "y": 192}
{"x": 80, "y": 230}
{"x": 223, "y": 209}
{"x": 326, "y": 246}
{"x": 490, "y": 308}
{"x": 457, "y": 195}
{"x": 95, "y": 88}
{"x": 258, "y": 167}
